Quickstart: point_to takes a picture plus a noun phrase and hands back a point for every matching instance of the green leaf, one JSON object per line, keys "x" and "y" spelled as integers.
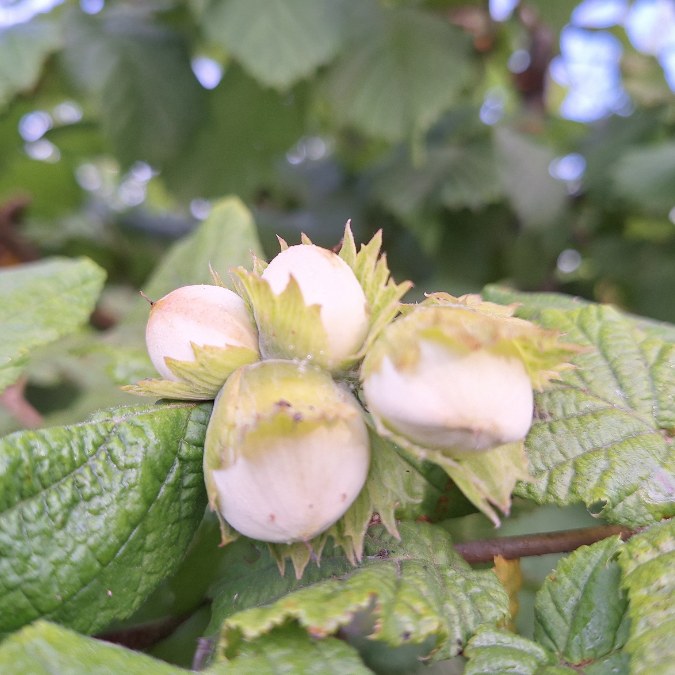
{"x": 51, "y": 186}
{"x": 150, "y": 101}
{"x": 555, "y": 15}
{"x": 648, "y": 564}
{"x": 580, "y": 611}
{"x": 24, "y": 48}
{"x": 278, "y": 42}
{"x": 493, "y": 650}
{"x": 532, "y": 304}
{"x": 41, "y": 302}
{"x": 94, "y": 516}
{"x": 645, "y": 177}
{"x": 289, "y": 649}
{"x": 45, "y": 648}
{"x": 246, "y": 133}
{"x": 405, "y": 592}
{"x": 455, "y": 176}
{"x": 536, "y": 197}
{"x": 604, "y": 434}
{"x": 403, "y": 69}
{"x": 581, "y": 622}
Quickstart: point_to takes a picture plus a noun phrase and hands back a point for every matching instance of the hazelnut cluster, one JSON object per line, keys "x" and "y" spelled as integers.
{"x": 287, "y": 447}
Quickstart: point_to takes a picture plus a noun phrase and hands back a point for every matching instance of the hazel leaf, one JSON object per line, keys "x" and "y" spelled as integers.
{"x": 603, "y": 435}
{"x": 45, "y": 648}
{"x": 289, "y": 649}
{"x": 94, "y": 516}
{"x": 648, "y": 564}
{"x": 277, "y": 42}
{"x": 386, "y": 83}
{"x": 404, "y": 592}
{"x": 41, "y": 302}
{"x": 24, "y": 49}
{"x": 493, "y": 650}
{"x": 580, "y": 610}
{"x": 581, "y": 622}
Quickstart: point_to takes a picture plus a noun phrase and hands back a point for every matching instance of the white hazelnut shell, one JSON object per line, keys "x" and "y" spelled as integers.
{"x": 468, "y": 402}
{"x": 326, "y": 280}
{"x": 298, "y": 487}
{"x": 201, "y": 314}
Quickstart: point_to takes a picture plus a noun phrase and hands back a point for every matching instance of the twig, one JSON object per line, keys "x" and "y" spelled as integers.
{"x": 538, "y": 544}
{"x": 14, "y": 248}
{"x": 15, "y": 403}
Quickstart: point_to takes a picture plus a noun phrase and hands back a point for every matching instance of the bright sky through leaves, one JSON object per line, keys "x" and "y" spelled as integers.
{"x": 589, "y": 61}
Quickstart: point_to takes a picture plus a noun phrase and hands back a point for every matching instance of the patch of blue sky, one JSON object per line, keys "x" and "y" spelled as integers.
{"x": 650, "y": 25}
{"x": 667, "y": 61}
{"x": 501, "y": 10}
{"x": 588, "y": 66}
{"x": 24, "y": 10}
{"x": 599, "y": 13}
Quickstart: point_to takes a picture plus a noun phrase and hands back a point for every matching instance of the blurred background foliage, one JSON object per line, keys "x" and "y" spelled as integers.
{"x": 442, "y": 121}
{"x": 525, "y": 143}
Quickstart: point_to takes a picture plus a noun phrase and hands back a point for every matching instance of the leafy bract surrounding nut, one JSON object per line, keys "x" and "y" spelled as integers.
{"x": 581, "y": 622}
{"x": 468, "y": 324}
{"x": 427, "y": 347}
{"x": 486, "y": 479}
{"x": 648, "y": 565}
{"x": 41, "y": 302}
{"x": 199, "y": 380}
{"x": 94, "y": 516}
{"x": 414, "y": 590}
{"x": 382, "y": 292}
{"x": 603, "y": 435}
{"x": 290, "y": 327}
{"x": 44, "y": 648}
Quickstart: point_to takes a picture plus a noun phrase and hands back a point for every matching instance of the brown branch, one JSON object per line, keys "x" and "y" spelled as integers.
{"x": 14, "y": 402}
{"x": 538, "y": 544}
{"x": 14, "y": 247}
